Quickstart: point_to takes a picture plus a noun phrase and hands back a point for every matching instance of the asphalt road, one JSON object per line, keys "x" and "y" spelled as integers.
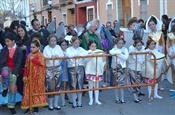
{"x": 165, "y": 106}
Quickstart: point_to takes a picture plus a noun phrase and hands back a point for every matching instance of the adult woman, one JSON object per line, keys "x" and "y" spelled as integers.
{"x": 23, "y": 42}
{"x": 90, "y": 35}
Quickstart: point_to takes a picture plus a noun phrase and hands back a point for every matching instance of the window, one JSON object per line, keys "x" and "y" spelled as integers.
{"x": 109, "y": 12}
{"x": 45, "y": 2}
{"x": 90, "y": 14}
{"x": 143, "y": 9}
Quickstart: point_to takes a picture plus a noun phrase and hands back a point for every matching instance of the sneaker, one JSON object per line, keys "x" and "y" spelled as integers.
{"x": 13, "y": 111}
{"x": 51, "y": 108}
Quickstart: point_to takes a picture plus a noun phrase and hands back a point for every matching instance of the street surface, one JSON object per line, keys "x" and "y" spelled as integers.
{"x": 166, "y": 106}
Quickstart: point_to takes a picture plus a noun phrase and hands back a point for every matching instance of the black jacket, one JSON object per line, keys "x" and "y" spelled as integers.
{"x": 17, "y": 59}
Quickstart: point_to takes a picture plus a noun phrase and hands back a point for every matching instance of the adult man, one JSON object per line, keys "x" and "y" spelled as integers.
{"x": 36, "y": 28}
{"x": 165, "y": 20}
{"x": 109, "y": 27}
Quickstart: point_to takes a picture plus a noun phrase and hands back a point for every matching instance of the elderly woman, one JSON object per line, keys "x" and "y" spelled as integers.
{"x": 91, "y": 35}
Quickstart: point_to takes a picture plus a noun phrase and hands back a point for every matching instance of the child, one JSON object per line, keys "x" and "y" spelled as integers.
{"x": 76, "y": 78}
{"x": 135, "y": 76}
{"x": 10, "y": 60}
{"x": 93, "y": 74}
{"x": 34, "y": 70}
{"x": 64, "y": 65}
{"x": 149, "y": 73}
{"x": 53, "y": 70}
{"x": 171, "y": 54}
{"x": 119, "y": 76}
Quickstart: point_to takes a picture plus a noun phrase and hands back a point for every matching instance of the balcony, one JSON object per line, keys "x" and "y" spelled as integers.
{"x": 65, "y": 2}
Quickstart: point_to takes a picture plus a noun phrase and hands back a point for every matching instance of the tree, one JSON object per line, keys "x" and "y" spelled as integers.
{"x": 10, "y": 7}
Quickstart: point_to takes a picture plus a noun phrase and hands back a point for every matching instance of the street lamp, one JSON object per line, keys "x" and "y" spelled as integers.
{"x": 33, "y": 10}
{"x": 50, "y": 3}
{"x": 50, "y": 11}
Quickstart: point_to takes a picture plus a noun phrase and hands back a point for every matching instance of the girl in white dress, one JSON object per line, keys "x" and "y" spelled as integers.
{"x": 94, "y": 71}
{"x": 118, "y": 70}
{"x": 148, "y": 73}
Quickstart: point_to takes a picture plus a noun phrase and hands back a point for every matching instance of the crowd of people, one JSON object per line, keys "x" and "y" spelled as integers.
{"x": 25, "y": 64}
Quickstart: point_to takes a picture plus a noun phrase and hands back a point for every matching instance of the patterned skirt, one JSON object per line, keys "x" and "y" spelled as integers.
{"x": 118, "y": 77}
{"x": 135, "y": 78}
{"x": 94, "y": 78}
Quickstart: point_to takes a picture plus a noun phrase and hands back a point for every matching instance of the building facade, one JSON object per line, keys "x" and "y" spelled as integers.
{"x": 123, "y": 10}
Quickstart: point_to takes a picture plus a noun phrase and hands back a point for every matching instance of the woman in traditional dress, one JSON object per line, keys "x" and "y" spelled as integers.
{"x": 171, "y": 55}
{"x": 76, "y": 78}
{"x": 153, "y": 24}
{"x": 119, "y": 75}
{"x": 94, "y": 71}
{"x": 53, "y": 71}
{"x": 135, "y": 75}
{"x": 36, "y": 72}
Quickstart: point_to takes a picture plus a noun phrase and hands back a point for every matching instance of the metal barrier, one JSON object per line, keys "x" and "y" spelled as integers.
{"x": 101, "y": 88}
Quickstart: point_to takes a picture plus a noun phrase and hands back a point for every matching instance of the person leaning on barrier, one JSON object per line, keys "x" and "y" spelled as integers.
{"x": 53, "y": 71}
{"x": 76, "y": 78}
{"x": 122, "y": 55}
{"x": 135, "y": 64}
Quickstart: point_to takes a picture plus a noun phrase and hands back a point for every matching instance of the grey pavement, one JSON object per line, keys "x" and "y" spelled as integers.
{"x": 165, "y": 106}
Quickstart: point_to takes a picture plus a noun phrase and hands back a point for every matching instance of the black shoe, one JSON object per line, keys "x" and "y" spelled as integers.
{"x": 58, "y": 108}
{"x": 122, "y": 102}
{"x": 63, "y": 105}
{"x": 51, "y": 109}
{"x": 13, "y": 111}
{"x": 118, "y": 101}
{"x": 70, "y": 102}
{"x": 74, "y": 106}
{"x": 79, "y": 106}
{"x": 35, "y": 110}
{"x": 27, "y": 111}
{"x": 141, "y": 94}
{"x": 137, "y": 101}
{"x": 4, "y": 93}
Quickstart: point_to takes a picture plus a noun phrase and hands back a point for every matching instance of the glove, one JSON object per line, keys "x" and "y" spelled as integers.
{"x": 24, "y": 79}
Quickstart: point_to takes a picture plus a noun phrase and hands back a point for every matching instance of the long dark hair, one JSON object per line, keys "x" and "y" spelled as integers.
{"x": 24, "y": 28}
{"x": 91, "y": 42}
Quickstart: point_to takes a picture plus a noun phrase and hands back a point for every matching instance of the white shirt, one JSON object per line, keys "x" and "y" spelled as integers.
{"x": 49, "y": 52}
{"x": 121, "y": 58}
{"x": 132, "y": 59}
{"x": 91, "y": 63}
{"x": 72, "y": 52}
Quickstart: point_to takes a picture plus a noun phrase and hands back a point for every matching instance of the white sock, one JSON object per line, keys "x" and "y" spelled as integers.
{"x": 74, "y": 97}
{"x": 116, "y": 94}
{"x": 79, "y": 98}
{"x": 69, "y": 95}
{"x": 50, "y": 102}
{"x": 156, "y": 92}
{"x": 122, "y": 94}
{"x": 149, "y": 91}
{"x": 90, "y": 93}
{"x": 63, "y": 99}
{"x": 56, "y": 97}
